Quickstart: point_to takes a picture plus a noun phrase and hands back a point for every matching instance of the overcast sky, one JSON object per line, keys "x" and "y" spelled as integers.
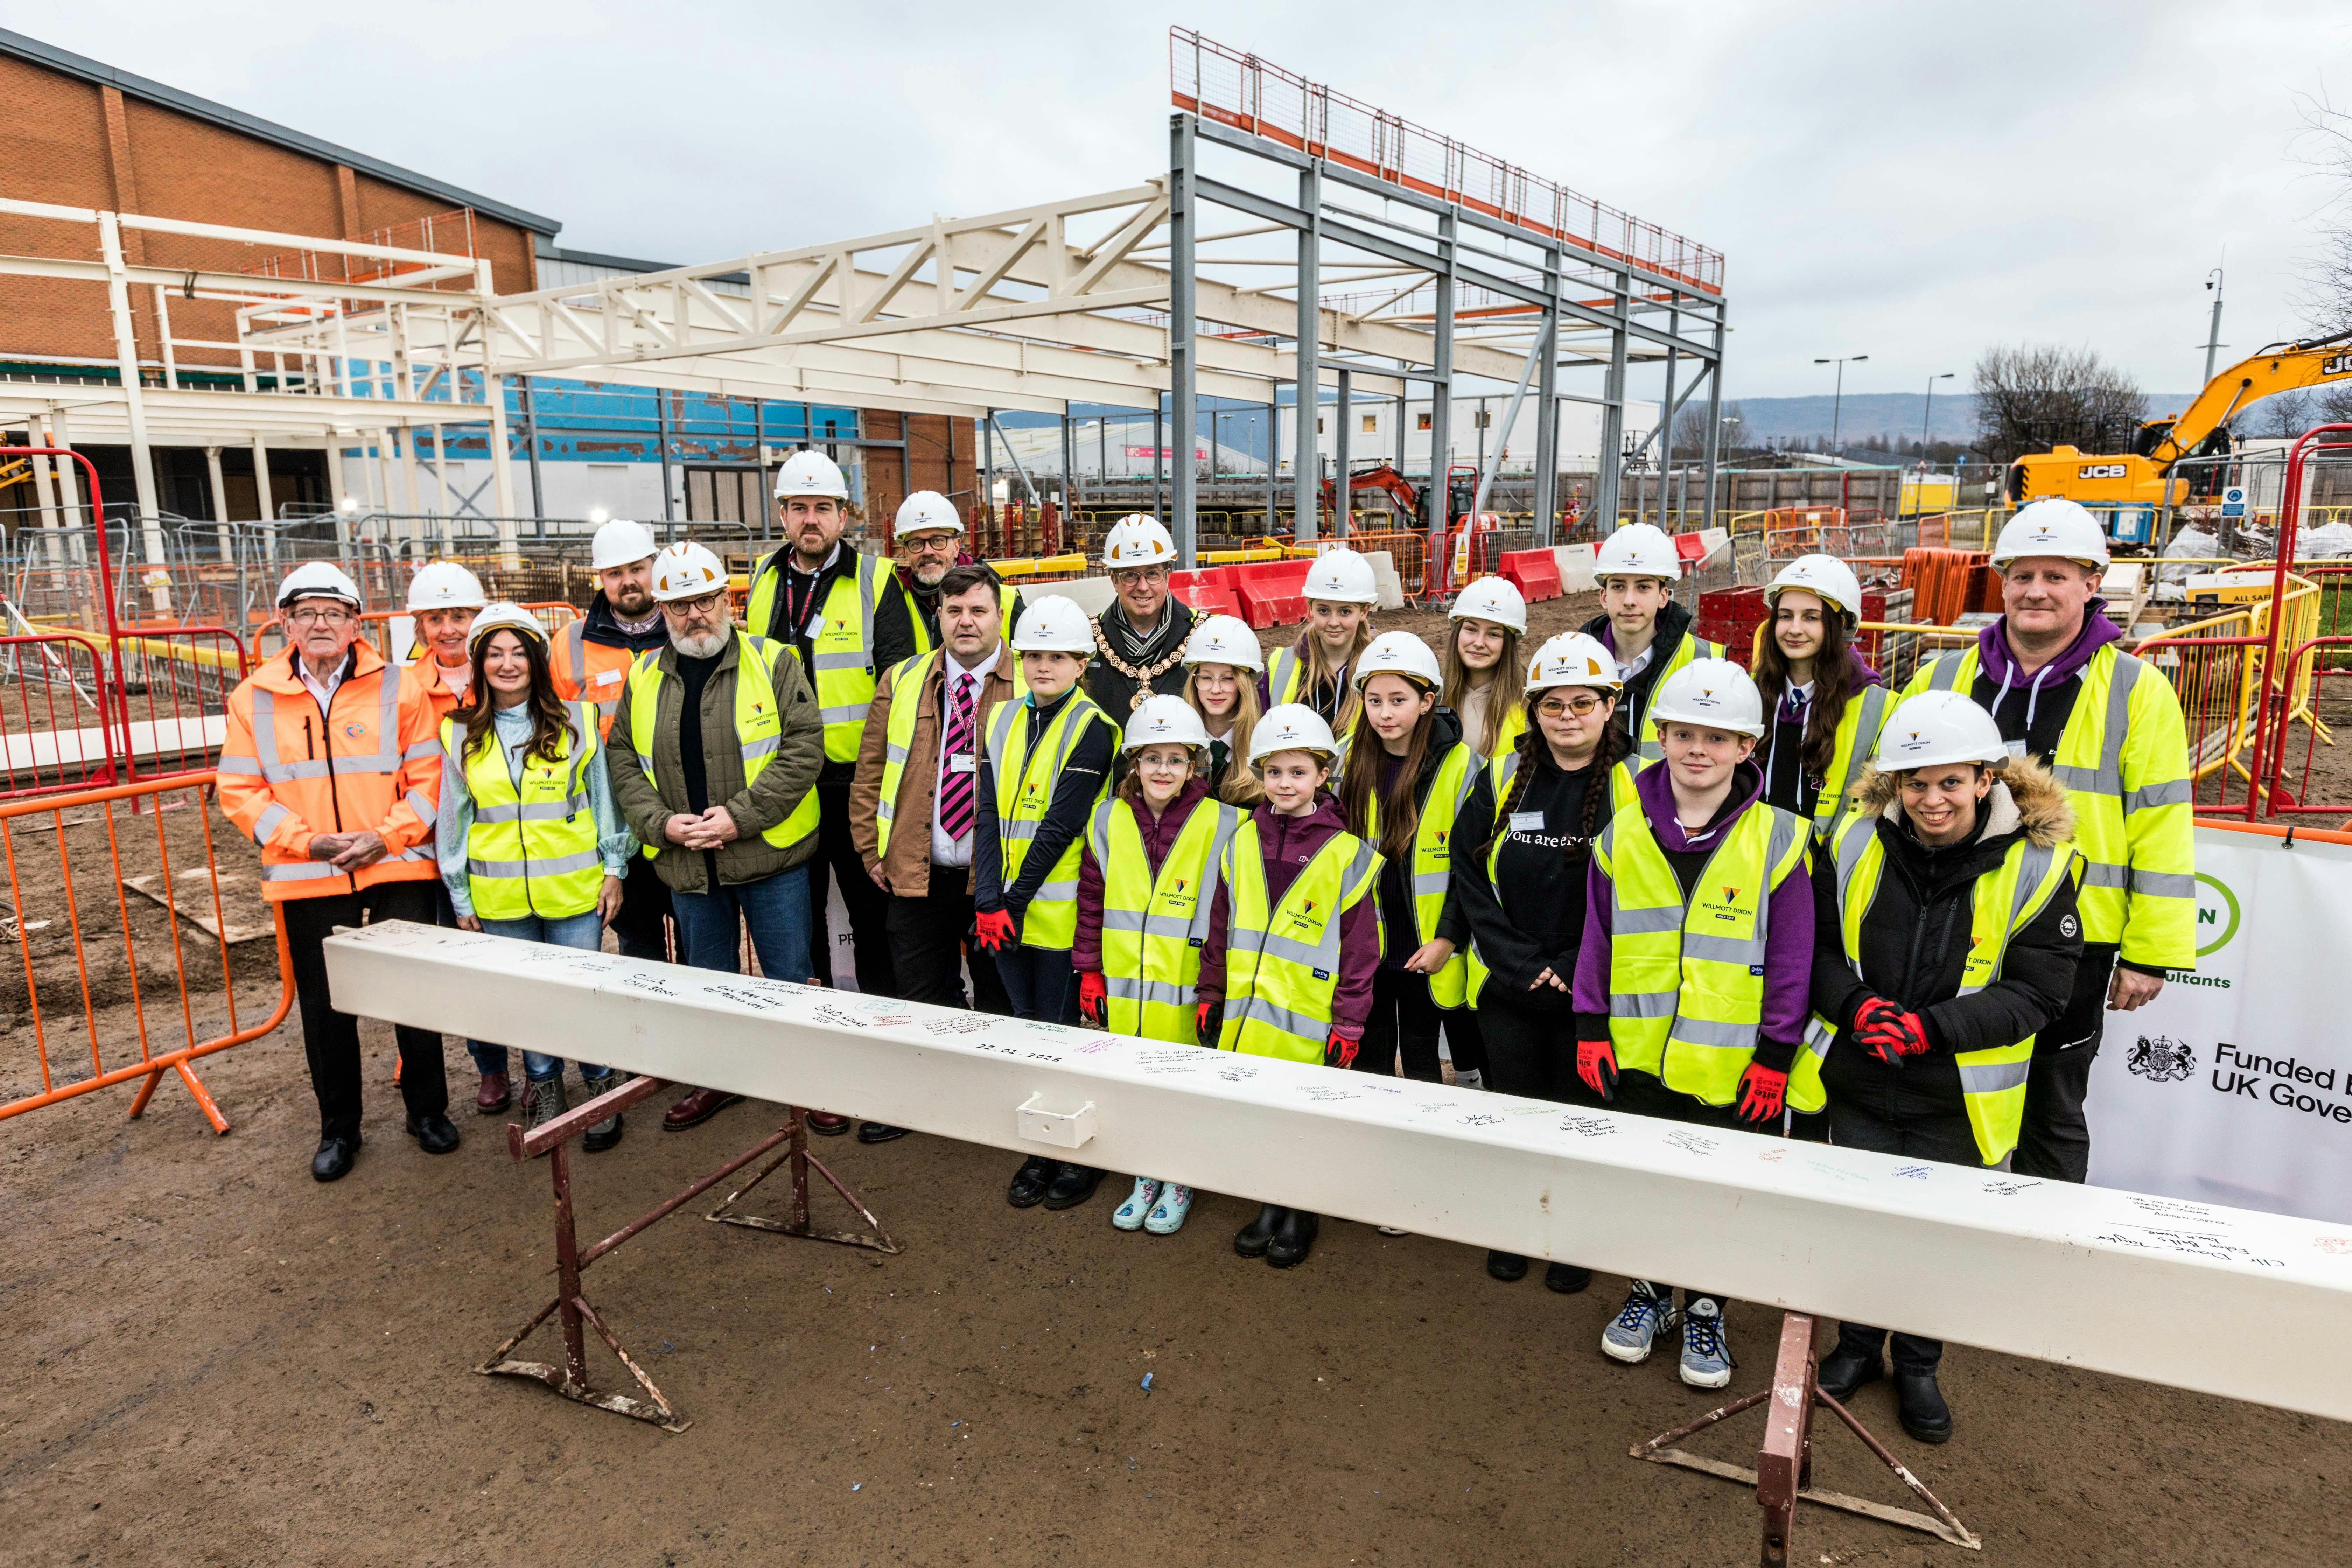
{"x": 1912, "y": 181}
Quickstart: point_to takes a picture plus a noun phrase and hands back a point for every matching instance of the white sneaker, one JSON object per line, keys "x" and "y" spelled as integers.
{"x": 1637, "y": 1324}
{"x": 1139, "y": 1204}
{"x": 1167, "y": 1216}
{"x": 1391, "y": 1230}
{"x": 1706, "y": 1357}
{"x": 1474, "y": 1078}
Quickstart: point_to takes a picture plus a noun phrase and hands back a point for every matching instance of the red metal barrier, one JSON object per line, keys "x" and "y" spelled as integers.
{"x": 55, "y": 727}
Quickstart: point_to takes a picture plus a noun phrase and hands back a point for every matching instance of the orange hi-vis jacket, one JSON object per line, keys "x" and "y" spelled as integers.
{"x": 424, "y": 671}
{"x": 588, "y": 671}
{"x": 371, "y": 759}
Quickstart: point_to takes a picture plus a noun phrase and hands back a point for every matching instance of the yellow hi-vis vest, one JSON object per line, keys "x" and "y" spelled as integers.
{"x": 1432, "y": 871}
{"x": 2007, "y": 901}
{"x": 1691, "y": 647}
{"x": 759, "y": 727}
{"x": 1857, "y": 737}
{"x": 907, "y": 679}
{"x": 1687, "y": 983}
{"x": 1004, "y": 598}
{"x": 1153, "y": 926}
{"x": 1282, "y": 965}
{"x": 841, "y": 647}
{"x": 1025, "y": 782}
{"x": 2123, "y": 761}
{"x": 1499, "y": 774}
{"x": 531, "y": 850}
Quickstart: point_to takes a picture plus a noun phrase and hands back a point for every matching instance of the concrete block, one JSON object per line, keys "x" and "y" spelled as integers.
{"x": 1575, "y": 568}
{"x": 1385, "y": 580}
{"x": 1092, "y": 595}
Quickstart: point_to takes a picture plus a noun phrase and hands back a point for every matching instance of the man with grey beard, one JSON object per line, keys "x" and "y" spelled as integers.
{"x": 713, "y": 756}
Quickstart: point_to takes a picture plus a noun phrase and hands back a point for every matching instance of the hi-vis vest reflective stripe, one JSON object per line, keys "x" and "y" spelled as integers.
{"x": 1153, "y": 926}
{"x": 1024, "y": 784}
{"x": 907, "y": 679}
{"x": 1690, "y": 648}
{"x": 1006, "y": 596}
{"x": 1686, "y": 984}
{"x": 841, "y": 647}
{"x": 1857, "y": 737}
{"x": 590, "y": 672}
{"x": 1499, "y": 774}
{"x": 2138, "y": 845}
{"x": 1432, "y": 871}
{"x": 532, "y": 848}
{"x": 2007, "y": 901}
{"x": 759, "y": 727}
{"x": 1282, "y": 965}
{"x": 326, "y": 787}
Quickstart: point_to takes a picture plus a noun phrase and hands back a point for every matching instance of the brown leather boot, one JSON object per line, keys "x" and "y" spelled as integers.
{"x": 698, "y": 1107}
{"x": 495, "y": 1095}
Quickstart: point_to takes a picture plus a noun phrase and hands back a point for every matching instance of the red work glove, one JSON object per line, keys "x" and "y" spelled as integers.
{"x": 1209, "y": 1022}
{"x": 1596, "y": 1064}
{"x": 1891, "y": 1034}
{"x": 1092, "y": 994}
{"x": 996, "y": 930}
{"x": 1763, "y": 1093}
{"x": 1339, "y": 1051}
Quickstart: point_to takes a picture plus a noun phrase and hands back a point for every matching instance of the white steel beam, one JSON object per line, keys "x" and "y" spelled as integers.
{"x": 2140, "y": 1287}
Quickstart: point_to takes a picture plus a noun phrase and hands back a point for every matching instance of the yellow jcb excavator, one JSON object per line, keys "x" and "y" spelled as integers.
{"x": 2143, "y": 475}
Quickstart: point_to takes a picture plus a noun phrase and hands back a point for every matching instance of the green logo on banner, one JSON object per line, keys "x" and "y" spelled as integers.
{"x": 2217, "y": 914}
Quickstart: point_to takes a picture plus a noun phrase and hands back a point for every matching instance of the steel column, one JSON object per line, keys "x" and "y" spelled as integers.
{"x": 1665, "y": 430}
{"x": 1184, "y": 366}
{"x": 1490, "y": 454}
{"x": 1712, "y": 449}
{"x": 1307, "y": 460}
{"x": 1608, "y": 481}
{"x": 1438, "y": 575}
{"x": 1272, "y": 445}
{"x": 1343, "y": 519}
{"x": 1546, "y": 496}
{"x": 126, "y": 355}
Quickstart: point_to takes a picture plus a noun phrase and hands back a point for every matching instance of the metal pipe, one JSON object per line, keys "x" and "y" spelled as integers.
{"x": 1184, "y": 352}
{"x": 1306, "y": 459}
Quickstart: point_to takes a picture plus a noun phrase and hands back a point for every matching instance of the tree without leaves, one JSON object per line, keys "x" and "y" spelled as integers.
{"x": 2035, "y": 396}
{"x": 1690, "y": 430}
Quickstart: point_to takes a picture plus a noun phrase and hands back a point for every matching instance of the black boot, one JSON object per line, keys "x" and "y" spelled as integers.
{"x": 1293, "y": 1238}
{"x": 1848, "y": 1367}
{"x": 1030, "y": 1181}
{"x": 1919, "y": 1404}
{"x": 1506, "y": 1266}
{"x": 1567, "y": 1279}
{"x": 1256, "y": 1236}
{"x": 1072, "y": 1185}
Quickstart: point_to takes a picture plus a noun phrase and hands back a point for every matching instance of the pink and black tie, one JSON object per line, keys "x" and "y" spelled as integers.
{"x": 955, "y": 788}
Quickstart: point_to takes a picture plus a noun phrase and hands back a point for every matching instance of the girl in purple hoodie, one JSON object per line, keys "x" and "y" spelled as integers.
{"x": 1704, "y": 1031}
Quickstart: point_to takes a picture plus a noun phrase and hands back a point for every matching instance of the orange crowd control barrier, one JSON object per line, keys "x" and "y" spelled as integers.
{"x": 65, "y": 925}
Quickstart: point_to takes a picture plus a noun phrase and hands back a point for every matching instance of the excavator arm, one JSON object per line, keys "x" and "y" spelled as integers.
{"x": 2282, "y": 367}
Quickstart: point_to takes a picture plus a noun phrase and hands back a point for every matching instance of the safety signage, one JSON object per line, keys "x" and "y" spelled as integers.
{"x": 2233, "y": 502}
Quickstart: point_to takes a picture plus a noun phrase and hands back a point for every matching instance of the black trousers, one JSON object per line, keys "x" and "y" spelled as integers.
{"x": 1946, "y": 1139}
{"x": 1646, "y": 1096}
{"x": 640, "y": 924}
{"x": 1038, "y": 982}
{"x": 1530, "y": 1046}
{"x": 869, "y": 906}
{"x": 2054, "y": 1139}
{"x": 1403, "y": 1023}
{"x": 1465, "y": 1042}
{"x": 930, "y": 937}
{"x": 332, "y": 1039}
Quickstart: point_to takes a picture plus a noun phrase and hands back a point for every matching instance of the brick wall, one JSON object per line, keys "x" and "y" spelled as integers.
{"x": 939, "y": 457}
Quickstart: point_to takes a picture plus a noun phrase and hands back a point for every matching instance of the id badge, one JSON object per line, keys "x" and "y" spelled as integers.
{"x": 961, "y": 763}
{"x": 1527, "y": 821}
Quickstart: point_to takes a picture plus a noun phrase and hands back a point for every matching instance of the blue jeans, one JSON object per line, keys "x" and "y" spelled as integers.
{"x": 776, "y": 908}
{"x": 1040, "y": 983}
{"x": 583, "y": 932}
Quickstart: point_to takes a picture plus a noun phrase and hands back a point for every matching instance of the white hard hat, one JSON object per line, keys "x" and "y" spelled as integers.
{"x": 2061, "y": 527}
{"x": 1492, "y": 599}
{"x": 1573, "y": 658}
{"x": 445, "y": 585}
{"x": 506, "y": 616}
{"x": 1939, "y": 727}
{"x": 1291, "y": 727}
{"x": 811, "y": 473}
{"x": 1137, "y": 540}
{"x": 1638, "y": 550}
{"x": 620, "y": 543}
{"x": 1223, "y": 639}
{"x": 927, "y": 511}
{"x": 1341, "y": 577}
{"x": 686, "y": 570}
{"x": 1825, "y": 577}
{"x": 1714, "y": 692}
{"x": 1166, "y": 720}
{"x": 1399, "y": 653}
{"x": 318, "y": 580}
{"x": 1052, "y": 623}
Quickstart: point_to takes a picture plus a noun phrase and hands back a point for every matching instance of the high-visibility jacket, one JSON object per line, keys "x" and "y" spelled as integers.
{"x": 2004, "y": 902}
{"x": 1508, "y": 728}
{"x": 1857, "y": 737}
{"x": 1689, "y": 646}
{"x": 1286, "y": 674}
{"x": 370, "y": 759}
{"x": 1501, "y": 770}
{"x": 588, "y": 671}
{"x": 841, "y": 646}
{"x": 1282, "y": 964}
{"x": 2123, "y": 761}
{"x": 1153, "y": 924}
{"x": 1686, "y": 982}
{"x": 1431, "y": 872}
{"x": 907, "y": 679}
{"x": 1005, "y": 598}
{"x": 759, "y": 726}
{"x": 532, "y": 848}
{"x": 1024, "y": 781}
{"x": 424, "y": 671}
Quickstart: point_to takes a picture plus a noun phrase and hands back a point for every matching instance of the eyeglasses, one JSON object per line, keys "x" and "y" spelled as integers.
{"x": 934, "y": 543}
{"x": 1128, "y": 577}
{"x": 317, "y": 616}
{"x": 1581, "y": 707}
{"x": 689, "y": 609}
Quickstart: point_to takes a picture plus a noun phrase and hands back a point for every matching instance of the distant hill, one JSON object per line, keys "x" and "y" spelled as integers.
{"x": 1894, "y": 414}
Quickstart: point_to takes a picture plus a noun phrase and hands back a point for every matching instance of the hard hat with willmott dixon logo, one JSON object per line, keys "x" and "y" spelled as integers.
{"x": 1164, "y": 721}
{"x": 1713, "y": 692}
{"x": 1935, "y": 727}
{"x": 1291, "y": 727}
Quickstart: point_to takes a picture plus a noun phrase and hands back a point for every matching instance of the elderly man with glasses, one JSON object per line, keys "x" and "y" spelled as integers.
{"x": 1141, "y": 638}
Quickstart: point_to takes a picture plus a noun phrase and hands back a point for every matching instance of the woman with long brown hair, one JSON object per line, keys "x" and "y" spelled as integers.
{"x": 1223, "y": 662}
{"x": 1482, "y": 655}
{"x": 1827, "y": 705}
{"x": 514, "y": 755}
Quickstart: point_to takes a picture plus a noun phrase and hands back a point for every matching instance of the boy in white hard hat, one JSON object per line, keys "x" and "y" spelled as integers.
{"x": 1139, "y": 639}
{"x": 1643, "y": 629}
{"x": 2109, "y": 726}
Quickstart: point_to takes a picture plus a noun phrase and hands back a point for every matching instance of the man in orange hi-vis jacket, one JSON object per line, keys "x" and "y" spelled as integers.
{"x": 331, "y": 764}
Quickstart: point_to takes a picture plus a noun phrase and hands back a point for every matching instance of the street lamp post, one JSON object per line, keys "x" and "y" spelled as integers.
{"x": 1838, "y": 406}
{"x": 1930, "y": 409}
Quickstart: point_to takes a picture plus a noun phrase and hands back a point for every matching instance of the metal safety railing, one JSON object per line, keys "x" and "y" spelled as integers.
{"x": 124, "y": 963}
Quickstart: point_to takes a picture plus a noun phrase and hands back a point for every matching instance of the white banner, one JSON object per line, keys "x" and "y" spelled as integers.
{"x": 2234, "y": 1085}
